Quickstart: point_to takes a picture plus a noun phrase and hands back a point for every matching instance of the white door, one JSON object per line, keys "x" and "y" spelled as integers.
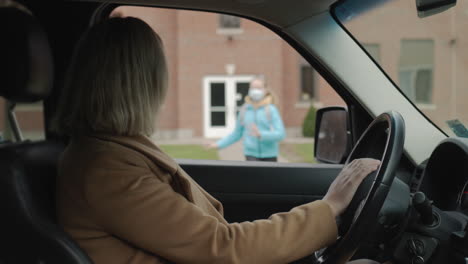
{"x": 223, "y": 96}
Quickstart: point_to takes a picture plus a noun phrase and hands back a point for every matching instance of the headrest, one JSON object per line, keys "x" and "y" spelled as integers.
{"x": 26, "y": 67}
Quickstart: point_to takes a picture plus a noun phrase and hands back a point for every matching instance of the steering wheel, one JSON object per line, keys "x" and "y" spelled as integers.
{"x": 382, "y": 140}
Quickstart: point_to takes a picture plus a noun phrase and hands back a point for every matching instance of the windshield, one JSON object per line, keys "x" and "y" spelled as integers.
{"x": 427, "y": 58}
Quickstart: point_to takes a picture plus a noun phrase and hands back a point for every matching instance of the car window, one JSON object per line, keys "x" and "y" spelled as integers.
{"x": 213, "y": 60}
{"x": 30, "y": 116}
{"x": 425, "y": 57}
{"x": 30, "y": 120}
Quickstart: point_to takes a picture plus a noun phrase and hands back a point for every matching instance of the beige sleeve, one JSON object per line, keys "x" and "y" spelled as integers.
{"x": 136, "y": 207}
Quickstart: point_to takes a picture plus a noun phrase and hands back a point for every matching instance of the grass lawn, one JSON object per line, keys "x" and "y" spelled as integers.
{"x": 190, "y": 152}
{"x": 301, "y": 153}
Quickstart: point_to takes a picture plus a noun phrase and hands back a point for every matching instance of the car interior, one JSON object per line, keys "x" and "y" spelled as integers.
{"x": 406, "y": 212}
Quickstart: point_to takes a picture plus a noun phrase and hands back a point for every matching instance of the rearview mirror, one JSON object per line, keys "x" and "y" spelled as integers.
{"x": 331, "y": 135}
{"x": 431, "y": 7}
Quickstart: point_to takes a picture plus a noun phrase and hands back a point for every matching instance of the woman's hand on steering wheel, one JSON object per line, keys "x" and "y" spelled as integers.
{"x": 342, "y": 189}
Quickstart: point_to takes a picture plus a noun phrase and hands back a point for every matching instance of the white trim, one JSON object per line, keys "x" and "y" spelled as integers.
{"x": 318, "y": 105}
{"x": 308, "y": 104}
{"x": 303, "y": 104}
{"x": 229, "y": 31}
{"x": 217, "y": 109}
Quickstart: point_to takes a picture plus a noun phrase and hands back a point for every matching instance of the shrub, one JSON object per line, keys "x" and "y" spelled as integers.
{"x": 308, "y": 126}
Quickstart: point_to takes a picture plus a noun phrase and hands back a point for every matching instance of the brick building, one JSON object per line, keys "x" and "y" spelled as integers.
{"x": 427, "y": 58}
{"x": 212, "y": 57}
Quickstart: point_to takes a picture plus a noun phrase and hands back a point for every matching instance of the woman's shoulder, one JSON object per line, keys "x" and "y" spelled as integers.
{"x": 98, "y": 165}
{"x": 91, "y": 153}
{"x": 94, "y": 170}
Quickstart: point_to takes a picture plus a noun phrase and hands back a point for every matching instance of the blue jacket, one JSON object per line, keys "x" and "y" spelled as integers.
{"x": 269, "y": 124}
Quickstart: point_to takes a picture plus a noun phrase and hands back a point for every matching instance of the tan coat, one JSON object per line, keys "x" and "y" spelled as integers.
{"x": 125, "y": 201}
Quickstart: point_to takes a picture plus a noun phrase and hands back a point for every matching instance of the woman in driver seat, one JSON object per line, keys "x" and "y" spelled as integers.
{"x": 125, "y": 201}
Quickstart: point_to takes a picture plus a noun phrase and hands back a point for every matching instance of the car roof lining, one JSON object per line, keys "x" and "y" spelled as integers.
{"x": 271, "y": 11}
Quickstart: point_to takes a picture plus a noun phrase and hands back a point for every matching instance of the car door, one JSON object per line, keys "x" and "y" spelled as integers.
{"x": 255, "y": 190}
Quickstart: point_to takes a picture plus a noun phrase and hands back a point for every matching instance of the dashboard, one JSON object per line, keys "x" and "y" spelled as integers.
{"x": 445, "y": 177}
{"x": 436, "y": 225}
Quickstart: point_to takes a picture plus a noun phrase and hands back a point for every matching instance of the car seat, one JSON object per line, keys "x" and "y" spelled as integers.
{"x": 28, "y": 229}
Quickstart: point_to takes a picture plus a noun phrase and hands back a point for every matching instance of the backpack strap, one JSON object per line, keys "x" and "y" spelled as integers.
{"x": 268, "y": 112}
{"x": 242, "y": 114}
{"x": 268, "y": 115}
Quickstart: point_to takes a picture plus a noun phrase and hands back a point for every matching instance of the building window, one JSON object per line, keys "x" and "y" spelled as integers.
{"x": 416, "y": 70}
{"x": 307, "y": 83}
{"x": 229, "y": 25}
{"x": 229, "y": 22}
{"x": 373, "y": 50}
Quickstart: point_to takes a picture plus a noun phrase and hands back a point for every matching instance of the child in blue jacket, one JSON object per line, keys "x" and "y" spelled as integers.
{"x": 259, "y": 124}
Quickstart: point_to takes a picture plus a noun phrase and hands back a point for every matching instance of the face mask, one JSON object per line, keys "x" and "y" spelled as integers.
{"x": 256, "y": 94}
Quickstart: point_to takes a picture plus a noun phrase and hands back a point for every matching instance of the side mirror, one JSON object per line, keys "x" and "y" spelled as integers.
{"x": 431, "y": 7}
{"x": 332, "y": 137}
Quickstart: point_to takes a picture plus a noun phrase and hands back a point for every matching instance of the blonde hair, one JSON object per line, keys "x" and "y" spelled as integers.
{"x": 268, "y": 90}
{"x": 116, "y": 82}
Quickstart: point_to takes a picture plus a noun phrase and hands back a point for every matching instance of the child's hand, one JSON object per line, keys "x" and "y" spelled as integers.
{"x": 211, "y": 146}
{"x": 254, "y": 131}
